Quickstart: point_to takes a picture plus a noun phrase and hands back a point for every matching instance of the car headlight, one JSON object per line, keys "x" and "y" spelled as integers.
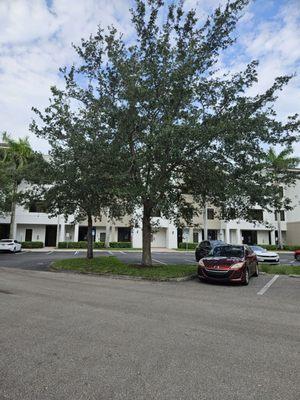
{"x": 237, "y": 265}
{"x": 201, "y": 263}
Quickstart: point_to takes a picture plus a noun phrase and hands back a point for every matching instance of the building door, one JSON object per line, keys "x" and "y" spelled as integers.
{"x": 28, "y": 235}
{"x": 179, "y": 235}
{"x": 4, "y": 231}
{"x": 51, "y": 232}
{"x": 249, "y": 237}
{"x": 159, "y": 238}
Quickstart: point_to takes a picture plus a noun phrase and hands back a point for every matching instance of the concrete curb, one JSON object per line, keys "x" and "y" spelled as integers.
{"x": 126, "y": 277}
{"x": 294, "y": 276}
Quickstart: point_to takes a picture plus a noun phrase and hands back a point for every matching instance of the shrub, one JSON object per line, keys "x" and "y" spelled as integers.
{"x": 97, "y": 245}
{"x": 189, "y": 246}
{"x": 122, "y": 245}
{"x": 274, "y": 247}
{"x": 72, "y": 245}
{"x": 32, "y": 245}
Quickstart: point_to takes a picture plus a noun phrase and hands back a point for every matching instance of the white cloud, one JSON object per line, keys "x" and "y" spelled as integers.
{"x": 36, "y": 40}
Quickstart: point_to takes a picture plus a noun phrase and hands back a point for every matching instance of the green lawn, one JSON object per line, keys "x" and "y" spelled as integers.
{"x": 280, "y": 269}
{"x": 112, "y": 266}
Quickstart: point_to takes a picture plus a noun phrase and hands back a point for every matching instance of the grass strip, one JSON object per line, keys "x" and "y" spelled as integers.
{"x": 280, "y": 269}
{"x": 112, "y": 266}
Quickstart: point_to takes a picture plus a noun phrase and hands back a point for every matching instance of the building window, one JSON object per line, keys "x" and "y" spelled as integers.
{"x": 282, "y": 215}
{"x": 210, "y": 213}
{"x": 256, "y": 215}
{"x": 102, "y": 236}
{"x": 196, "y": 237}
{"x": 124, "y": 235}
{"x": 212, "y": 234}
{"x": 38, "y": 207}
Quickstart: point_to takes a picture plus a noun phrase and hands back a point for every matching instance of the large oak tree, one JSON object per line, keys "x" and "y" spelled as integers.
{"x": 167, "y": 111}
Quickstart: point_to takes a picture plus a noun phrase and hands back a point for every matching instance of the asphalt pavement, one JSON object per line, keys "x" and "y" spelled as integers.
{"x": 41, "y": 260}
{"x": 76, "y": 337}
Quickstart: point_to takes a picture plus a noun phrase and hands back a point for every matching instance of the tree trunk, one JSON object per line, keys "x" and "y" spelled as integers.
{"x": 205, "y": 221}
{"x": 280, "y": 244}
{"x": 107, "y": 235}
{"x": 90, "y": 238}
{"x": 146, "y": 258}
{"x": 12, "y": 228}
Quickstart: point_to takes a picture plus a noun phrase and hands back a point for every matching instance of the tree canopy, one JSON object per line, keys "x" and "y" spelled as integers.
{"x": 159, "y": 109}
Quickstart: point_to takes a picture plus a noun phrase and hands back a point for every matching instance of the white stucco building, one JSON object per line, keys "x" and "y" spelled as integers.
{"x": 35, "y": 225}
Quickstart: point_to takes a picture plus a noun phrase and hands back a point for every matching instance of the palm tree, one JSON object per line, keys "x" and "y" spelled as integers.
{"x": 280, "y": 163}
{"x": 17, "y": 154}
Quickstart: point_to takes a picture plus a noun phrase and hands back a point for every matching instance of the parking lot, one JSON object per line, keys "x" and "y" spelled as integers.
{"x": 41, "y": 260}
{"x": 67, "y": 336}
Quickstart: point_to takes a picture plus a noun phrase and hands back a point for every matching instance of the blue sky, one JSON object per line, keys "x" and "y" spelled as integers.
{"x": 36, "y": 38}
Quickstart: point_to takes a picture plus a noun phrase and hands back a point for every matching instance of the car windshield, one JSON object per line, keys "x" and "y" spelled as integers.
{"x": 258, "y": 248}
{"x": 215, "y": 243}
{"x": 6, "y": 240}
{"x": 228, "y": 251}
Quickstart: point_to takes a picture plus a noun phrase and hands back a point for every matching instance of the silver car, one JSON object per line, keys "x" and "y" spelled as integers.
{"x": 265, "y": 256}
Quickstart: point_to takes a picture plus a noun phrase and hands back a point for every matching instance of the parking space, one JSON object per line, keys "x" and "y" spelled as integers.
{"x": 200, "y": 341}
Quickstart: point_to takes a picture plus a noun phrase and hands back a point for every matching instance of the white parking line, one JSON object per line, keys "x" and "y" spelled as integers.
{"x": 50, "y": 252}
{"x": 160, "y": 262}
{"x": 21, "y": 252}
{"x": 123, "y": 252}
{"x": 76, "y": 252}
{"x": 266, "y": 287}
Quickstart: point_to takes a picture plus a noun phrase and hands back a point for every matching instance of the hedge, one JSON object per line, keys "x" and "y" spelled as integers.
{"x": 274, "y": 247}
{"x": 189, "y": 246}
{"x": 97, "y": 245}
{"x": 32, "y": 245}
{"x": 120, "y": 245}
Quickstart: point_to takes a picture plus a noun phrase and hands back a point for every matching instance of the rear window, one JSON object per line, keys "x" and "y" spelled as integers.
{"x": 6, "y": 240}
{"x": 228, "y": 251}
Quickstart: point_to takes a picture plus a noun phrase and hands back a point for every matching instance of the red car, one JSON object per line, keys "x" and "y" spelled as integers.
{"x": 229, "y": 263}
{"x": 297, "y": 255}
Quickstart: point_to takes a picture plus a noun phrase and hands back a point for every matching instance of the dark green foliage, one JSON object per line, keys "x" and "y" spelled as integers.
{"x": 32, "y": 245}
{"x": 285, "y": 247}
{"x": 189, "y": 246}
{"x": 97, "y": 245}
{"x": 120, "y": 245}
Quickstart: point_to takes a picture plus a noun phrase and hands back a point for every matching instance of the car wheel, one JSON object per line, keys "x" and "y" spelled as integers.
{"x": 256, "y": 272}
{"x": 297, "y": 257}
{"x": 246, "y": 277}
{"x": 14, "y": 250}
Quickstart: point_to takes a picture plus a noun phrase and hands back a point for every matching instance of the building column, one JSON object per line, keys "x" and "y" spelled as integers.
{"x": 239, "y": 236}
{"x": 227, "y": 235}
{"x": 191, "y": 235}
{"x": 114, "y": 234}
{"x": 76, "y": 233}
{"x": 221, "y": 235}
{"x": 62, "y": 233}
{"x": 273, "y": 241}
